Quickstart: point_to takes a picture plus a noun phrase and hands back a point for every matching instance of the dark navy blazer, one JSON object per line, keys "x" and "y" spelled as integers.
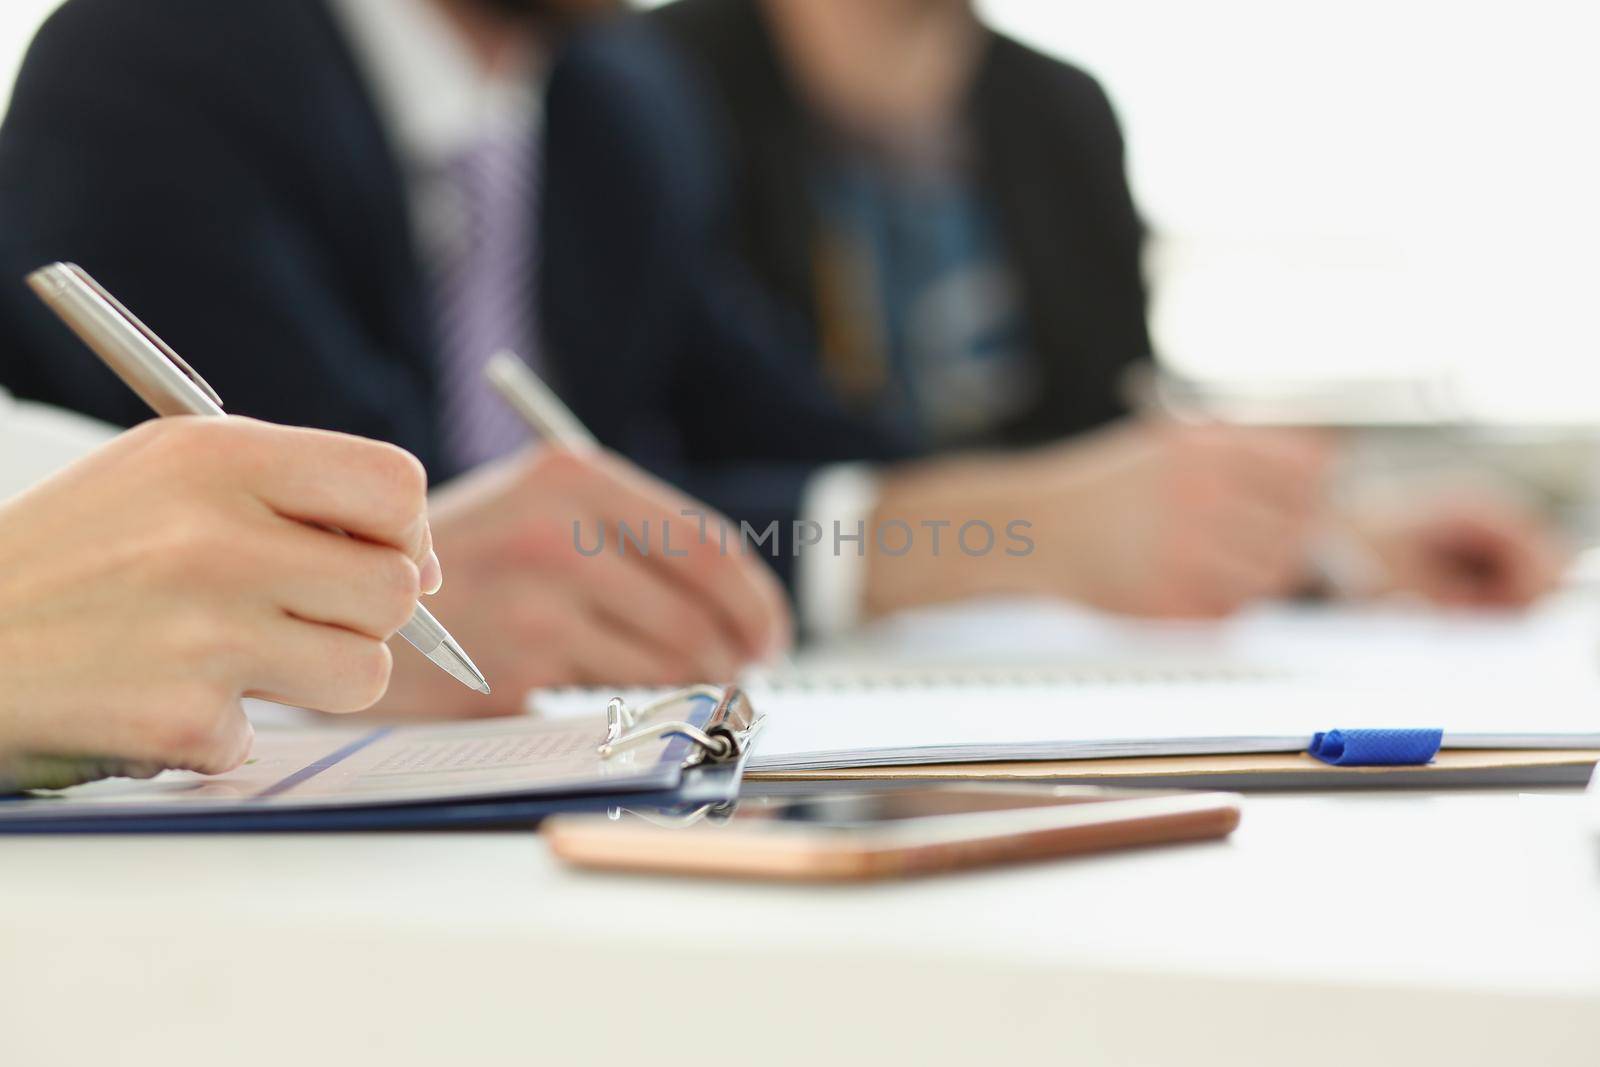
{"x": 222, "y": 167}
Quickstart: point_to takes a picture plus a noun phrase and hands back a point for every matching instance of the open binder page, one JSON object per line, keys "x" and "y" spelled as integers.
{"x": 1020, "y": 681}
{"x": 880, "y": 727}
{"x": 1034, "y": 681}
{"x": 391, "y": 765}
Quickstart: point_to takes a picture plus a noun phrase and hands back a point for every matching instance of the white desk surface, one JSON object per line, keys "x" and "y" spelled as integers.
{"x": 1366, "y": 928}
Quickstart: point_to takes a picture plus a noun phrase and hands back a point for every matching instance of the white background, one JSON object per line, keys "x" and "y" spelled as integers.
{"x": 1360, "y": 188}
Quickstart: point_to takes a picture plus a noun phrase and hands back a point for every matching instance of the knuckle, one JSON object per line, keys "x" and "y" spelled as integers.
{"x": 369, "y": 677}
{"x": 561, "y": 467}
{"x": 173, "y": 443}
{"x": 188, "y": 432}
{"x": 406, "y": 472}
{"x": 217, "y": 643}
{"x": 200, "y": 552}
{"x": 400, "y": 586}
{"x": 151, "y": 434}
{"x": 360, "y": 680}
{"x": 401, "y": 480}
{"x": 197, "y": 440}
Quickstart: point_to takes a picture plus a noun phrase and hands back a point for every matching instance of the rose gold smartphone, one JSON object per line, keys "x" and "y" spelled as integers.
{"x": 893, "y": 833}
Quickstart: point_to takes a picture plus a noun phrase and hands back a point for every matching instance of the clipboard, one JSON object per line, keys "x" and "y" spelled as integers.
{"x": 682, "y": 753}
{"x": 1244, "y": 772}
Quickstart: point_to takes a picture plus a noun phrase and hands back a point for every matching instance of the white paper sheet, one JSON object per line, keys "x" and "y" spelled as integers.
{"x": 995, "y": 681}
{"x": 1029, "y": 680}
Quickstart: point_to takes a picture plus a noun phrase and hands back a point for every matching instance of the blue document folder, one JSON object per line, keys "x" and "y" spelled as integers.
{"x": 487, "y": 773}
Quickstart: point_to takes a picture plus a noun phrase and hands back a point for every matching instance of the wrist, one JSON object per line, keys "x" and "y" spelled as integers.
{"x": 948, "y": 530}
{"x": 830, "y": 579}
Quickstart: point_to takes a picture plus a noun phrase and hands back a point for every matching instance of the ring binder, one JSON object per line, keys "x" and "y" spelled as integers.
{"x": 722, "y": 739}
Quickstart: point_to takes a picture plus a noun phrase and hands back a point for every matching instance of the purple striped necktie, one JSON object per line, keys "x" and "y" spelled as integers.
{"x": 483, "y": 289}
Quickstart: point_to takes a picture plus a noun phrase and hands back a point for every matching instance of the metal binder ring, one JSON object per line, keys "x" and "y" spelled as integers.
{"x": 726, "y": 731}
{"x": 714, "y": 747}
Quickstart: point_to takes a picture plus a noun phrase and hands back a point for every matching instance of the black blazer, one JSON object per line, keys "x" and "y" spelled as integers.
{"x": 676, "y": 156}
{"x": 223, "y": 168}
{"x": 1049, "y": 157}
{"x": 220, "y": 166}
{"x": 660, "y": 339}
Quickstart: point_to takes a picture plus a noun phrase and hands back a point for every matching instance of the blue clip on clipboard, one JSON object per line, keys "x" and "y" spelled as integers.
{"x": 1377, "y": 748}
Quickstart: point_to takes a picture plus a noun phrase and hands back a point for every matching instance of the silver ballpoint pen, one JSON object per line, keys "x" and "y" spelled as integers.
{"x": 171, "y": 387}
{"x": 536, "y": 403}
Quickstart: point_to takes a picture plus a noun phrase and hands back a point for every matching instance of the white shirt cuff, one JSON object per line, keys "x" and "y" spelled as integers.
{"x": 37, "y": 441}
{"x": 831, "y": 575}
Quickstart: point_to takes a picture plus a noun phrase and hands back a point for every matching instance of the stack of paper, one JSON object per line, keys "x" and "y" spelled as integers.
{"x": 942, "y": 724}
{"x": 1004, "y": 682}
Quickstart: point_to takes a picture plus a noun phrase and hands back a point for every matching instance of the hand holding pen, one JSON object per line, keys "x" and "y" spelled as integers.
{"x": 143, "y": 642}
{"x": 171, "y": 387}
{"x": 156, "y": 582}
{"x": 542, "y": 612}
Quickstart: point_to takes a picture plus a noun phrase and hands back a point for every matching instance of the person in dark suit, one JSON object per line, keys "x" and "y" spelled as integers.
{"x": 681, "y": 166}
{"x": 888, "y": 155}
{"x": 339, "y": 208}
{"x": 326, "y": 205}
{"x": 935, "y": 223}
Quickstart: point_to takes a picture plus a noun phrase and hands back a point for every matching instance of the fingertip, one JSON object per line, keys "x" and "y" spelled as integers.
{"x": 227, "y": 757}
{"x": 247, "y": 744}
{"x": 432, "y": 574}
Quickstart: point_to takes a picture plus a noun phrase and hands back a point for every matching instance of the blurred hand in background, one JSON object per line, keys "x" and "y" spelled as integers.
{"x": 1474, "y": 548}
{"x": 533, "y": 610}
{"x": 1148, "y": 518}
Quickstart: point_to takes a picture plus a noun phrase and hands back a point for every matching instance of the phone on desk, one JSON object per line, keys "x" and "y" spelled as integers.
{"x": 862, "y": 836}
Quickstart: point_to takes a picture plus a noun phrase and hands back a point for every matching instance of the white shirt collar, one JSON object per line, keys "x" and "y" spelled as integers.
{"x": 436, "y": 99}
